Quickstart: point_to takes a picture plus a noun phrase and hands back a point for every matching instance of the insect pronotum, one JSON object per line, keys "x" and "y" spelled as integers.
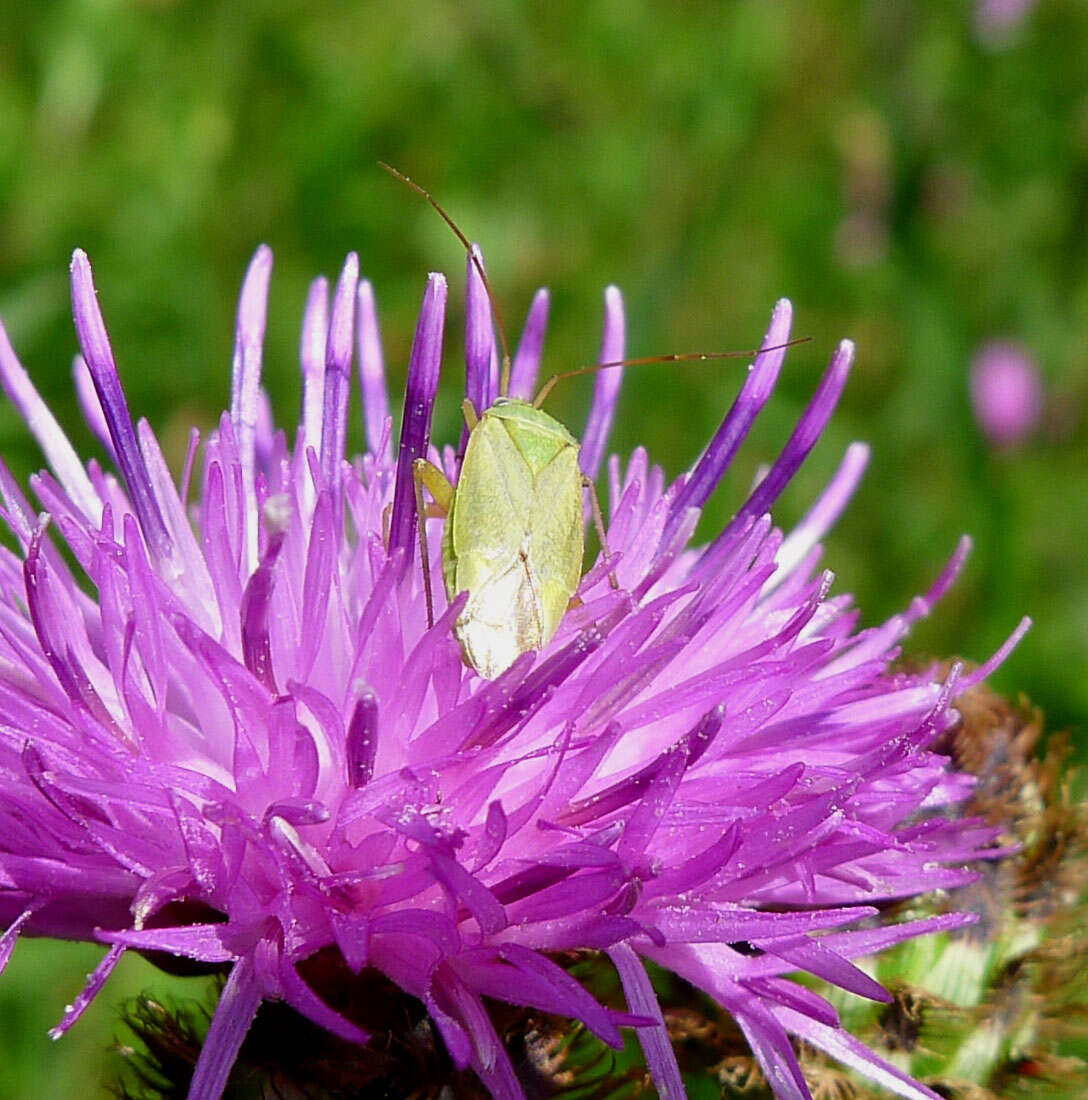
{"x": 514, "y": 530}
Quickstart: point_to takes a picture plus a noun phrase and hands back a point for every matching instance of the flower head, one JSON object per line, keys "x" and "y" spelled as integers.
{"x": 997, "y": 21}
{"x": 1006, "y": 393}
{"x": 229, "y": 734}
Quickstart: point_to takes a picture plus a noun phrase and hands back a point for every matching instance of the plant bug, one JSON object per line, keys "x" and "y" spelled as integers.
{"x": 513, "y": 536}
{"x": 514, "y": 530}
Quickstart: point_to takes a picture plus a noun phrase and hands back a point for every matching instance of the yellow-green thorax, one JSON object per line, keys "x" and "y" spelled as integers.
{"x": 514, "y": 534}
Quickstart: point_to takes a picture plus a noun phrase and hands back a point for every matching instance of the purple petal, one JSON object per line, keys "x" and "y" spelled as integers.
{"x": 771, "y": 1046}
{"x": 526, "y": 366}
{"x": 423, "y": 368}
{"x": 606, "y": 389}
{"x": 339, "y": 346}
{"x": 303, "y": 999}
{"x": 979, "y": 674}
{"x": 494, "y": 834}
{"x": 107, "y": 384}
{"x": 90, "y": 405}
{"x": 11, "y": 933}
{"x": 804, "y": 438}
{"x": 254, "y": 612}
{"x": 689, "y": 748}
{"x": 691, "y": 922}
{"x": 59, "y": 453}
{"x": 372, "y": 373}
{"x": 923, "y": 605}
{"x": 94, "y": 984}
{"x": 246, "y": 378}
{"x": 822, "y": 516}
{"x": 812, "y": 956}
{"x": 479, "y": 340}
{"x": 723, "y": 447}
{"x": 469, "y": 892}
{"x": 315, "y": 329}
{"x": 857, "y": 1056}
{"x": 362, "y": 740}
{"x": 238, "y": 1004}
{"x": 660, "y": 1056}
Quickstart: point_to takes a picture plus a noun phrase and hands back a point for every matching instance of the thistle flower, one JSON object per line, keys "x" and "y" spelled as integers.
{"x": 229, "y": 736}
{"x": 1006, "y": 393}
{"x": 997, "y": 21}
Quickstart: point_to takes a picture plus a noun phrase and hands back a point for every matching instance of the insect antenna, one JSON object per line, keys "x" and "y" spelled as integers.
{"x": 504, "y": 383}
{"x": 682, "y": 357}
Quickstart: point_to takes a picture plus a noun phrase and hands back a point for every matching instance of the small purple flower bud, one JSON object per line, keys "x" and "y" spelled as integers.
{"x": 1006, "y": 393}
{"x": 997, "y": 21}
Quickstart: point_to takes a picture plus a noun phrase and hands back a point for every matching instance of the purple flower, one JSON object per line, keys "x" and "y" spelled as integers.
{"x": 1006, "y": 393}
{"x": 228, "y": 734}
{"x": 998, "y": 20}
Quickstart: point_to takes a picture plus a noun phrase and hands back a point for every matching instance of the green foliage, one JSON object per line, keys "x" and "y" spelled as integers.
{"x": 903, "y": 183}
{"x": 42, "y": 977}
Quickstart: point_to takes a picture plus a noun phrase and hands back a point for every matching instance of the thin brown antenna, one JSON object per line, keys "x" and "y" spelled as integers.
{"x": 504, "y": 383}
{"x": 685, "y": 357}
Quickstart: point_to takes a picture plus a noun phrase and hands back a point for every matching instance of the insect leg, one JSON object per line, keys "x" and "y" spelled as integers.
{"x": 598, "y": 523}
{"x": 438, "y": 485}
{"x": 426, "y": 473}
{"x": 468, "y": 410}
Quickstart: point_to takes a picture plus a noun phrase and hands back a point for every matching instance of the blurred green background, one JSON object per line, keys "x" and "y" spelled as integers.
{"x": 907, "y": 179}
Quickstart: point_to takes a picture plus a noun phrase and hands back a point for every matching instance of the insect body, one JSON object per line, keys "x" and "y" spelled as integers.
{"x": 514, "y": 532}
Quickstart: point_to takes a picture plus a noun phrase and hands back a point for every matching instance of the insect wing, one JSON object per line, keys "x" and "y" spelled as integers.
{"x": 486, "y": 552}
{"x": 490, "y": 517}
{"x": 556, "y": 536}
{"x": 556, "y": 526}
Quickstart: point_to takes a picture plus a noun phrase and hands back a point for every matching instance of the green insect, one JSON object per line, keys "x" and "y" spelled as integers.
{"x": 513, "y": 537}
{"x": 514, "y": 530}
